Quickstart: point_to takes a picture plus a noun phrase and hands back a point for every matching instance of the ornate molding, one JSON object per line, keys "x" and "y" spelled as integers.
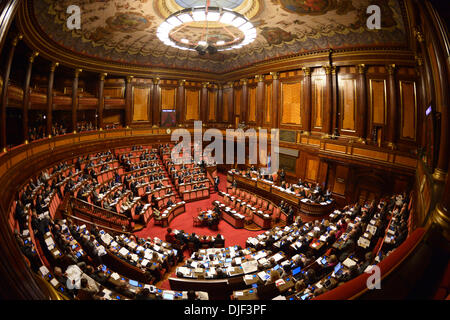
{"x": 259, "y": 77}
{"x": 439, "y": 175}
{"x": 54, "y": 66}
{"x": 327, "y": 69}
{"x": 391, "y": 69}
{"x": 33, "y": 56}
{"x": 307, "y": 71}
{"x": 362, "y": 68}
{"x": 275, "y": 75}
{"x": 17, "y": 39}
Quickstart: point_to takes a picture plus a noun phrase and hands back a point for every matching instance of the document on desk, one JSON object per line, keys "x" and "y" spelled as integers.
{"x": 372, "y": 229}
{"x": 123, "y": 251}
{"x": 250, "y": 266}
{"x": 349, "y": 263}
{"x": 44, "y": 271}
{"x": 115, "y": 276}
{"x": 263, "y": 275}
{"x": 278, "y": 257}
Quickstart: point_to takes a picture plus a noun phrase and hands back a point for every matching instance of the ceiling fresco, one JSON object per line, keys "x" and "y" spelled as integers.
{"x": 125, "y": 30}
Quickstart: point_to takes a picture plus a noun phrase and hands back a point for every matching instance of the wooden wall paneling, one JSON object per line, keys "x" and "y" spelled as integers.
{"x": 312, "y": 169}
{"x": 141, "y": 104}
{"x": 192, "y": 104}
{"x": 237, "y": 92}
{"x": 322, "y": 178}
{"x": 408, "y": 110}
{"x": 212, "y": 104}
{"x": 252, "y": 108}
{"x": 340, "y": 180}
{"x": 318, "y": 98}
{"x": 168, "y": 98}
{"x": 291, "y": 104}
{"x": 348, "y": 103}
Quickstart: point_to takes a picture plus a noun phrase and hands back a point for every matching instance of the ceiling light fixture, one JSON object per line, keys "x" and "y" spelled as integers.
{"x": 216, "y": 29}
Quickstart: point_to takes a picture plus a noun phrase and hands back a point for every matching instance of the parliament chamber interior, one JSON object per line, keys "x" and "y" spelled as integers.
{"x": 331, "y": 118}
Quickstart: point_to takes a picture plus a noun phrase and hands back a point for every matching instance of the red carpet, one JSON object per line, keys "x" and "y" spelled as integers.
{"x": 185, "y": 222}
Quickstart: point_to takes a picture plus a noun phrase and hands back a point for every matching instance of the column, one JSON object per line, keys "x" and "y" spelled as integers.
{"x": 362, "y": 104}
{"x": 157, "y": 102}
{"x": 26, "y": 95}
{"x": 307, "y": 101}
{"x": 101, "y": 99}
{"x": 244, "y": 101}
{"x": 204, "y": 102}
{"x": 328, "y": 103}
{"x": 4, "y": 100}
{"x": 260, "y": 100}
{"x": 336, "y": 119}
{"x": 219, "y": 117}
{"x": 180, "y": 102}
{"x": 392, "y": 111}
{"x": 75, "y": 99}
{"x": 420, "y": 70}
{"x": 128, "y": 100}
{"x": 51, "y": 79}
{"x": 231, "y": 103}
{"x": 275, "y": 87}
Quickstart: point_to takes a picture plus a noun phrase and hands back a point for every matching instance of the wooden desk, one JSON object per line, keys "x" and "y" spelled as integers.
{"x": 170, "y": 213}
{"x": 232, "y": 217}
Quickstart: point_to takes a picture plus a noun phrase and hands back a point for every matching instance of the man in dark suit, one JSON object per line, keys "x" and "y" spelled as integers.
{"x": 216, "y": 183}
{"x": 348, "y": 247}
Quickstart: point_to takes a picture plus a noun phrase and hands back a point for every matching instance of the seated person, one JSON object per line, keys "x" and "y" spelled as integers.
{"x": 86, "y": 292}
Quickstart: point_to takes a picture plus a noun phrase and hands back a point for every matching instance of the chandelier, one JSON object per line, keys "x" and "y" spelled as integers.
{"x": 206, "y": 29}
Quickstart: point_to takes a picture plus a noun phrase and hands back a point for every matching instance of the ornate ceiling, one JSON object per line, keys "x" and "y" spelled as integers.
{"x": 124, "y": 31}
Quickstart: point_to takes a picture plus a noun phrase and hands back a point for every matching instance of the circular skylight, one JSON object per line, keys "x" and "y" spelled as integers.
{"x": 231, "y": 4}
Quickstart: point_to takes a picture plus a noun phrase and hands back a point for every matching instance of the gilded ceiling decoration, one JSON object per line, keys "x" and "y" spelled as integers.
{"x": 125, "y": 30}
